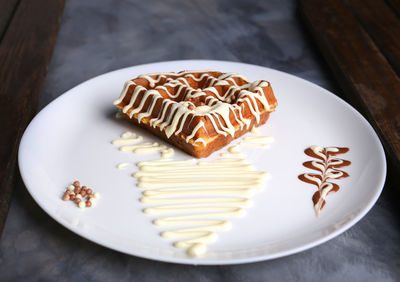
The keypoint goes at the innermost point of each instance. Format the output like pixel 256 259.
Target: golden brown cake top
pixel 196 104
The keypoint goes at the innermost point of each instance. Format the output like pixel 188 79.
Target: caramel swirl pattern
pixel 327 164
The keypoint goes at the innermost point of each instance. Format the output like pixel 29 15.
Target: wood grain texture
pixel 382 25
pixel 25 53
pixel 395 5
pixel 7 8
pixel 361 60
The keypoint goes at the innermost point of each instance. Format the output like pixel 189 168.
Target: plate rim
pixel 189 261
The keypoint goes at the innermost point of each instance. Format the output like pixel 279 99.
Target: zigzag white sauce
pixel 215 109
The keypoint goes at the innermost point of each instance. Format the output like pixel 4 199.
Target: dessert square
pixel 197 111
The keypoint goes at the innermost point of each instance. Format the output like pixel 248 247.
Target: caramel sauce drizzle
pixel 327 165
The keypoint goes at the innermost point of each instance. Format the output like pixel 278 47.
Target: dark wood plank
pixel 395 5
pixel 363 72
pixel 25 53
pixel 382 25
pixel 7 8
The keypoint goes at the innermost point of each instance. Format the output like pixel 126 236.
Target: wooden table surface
pixel 360 41
pixel 28 31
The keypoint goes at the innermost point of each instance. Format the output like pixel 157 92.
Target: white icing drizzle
pixel 123 165
pixel 143 148
pixel 130 142
pixel 127 134
pixel 253 141
pixel 255 131
pixel 258 141
pixel 195 198
pixel 124 141
pixel 198 126
pixel 123 92
pixel 218 110
pixel 232 155
pixel 325 188
pixel 327 172
pixel 324 168
pixel 167 153
pixel 233 151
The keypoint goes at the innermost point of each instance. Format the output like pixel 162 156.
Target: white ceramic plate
pixel 70 139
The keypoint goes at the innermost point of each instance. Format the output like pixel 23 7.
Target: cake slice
pixel 197 111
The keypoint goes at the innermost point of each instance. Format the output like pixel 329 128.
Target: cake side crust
pixel 199 151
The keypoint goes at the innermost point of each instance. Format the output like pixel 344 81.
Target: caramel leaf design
pixel 327 165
